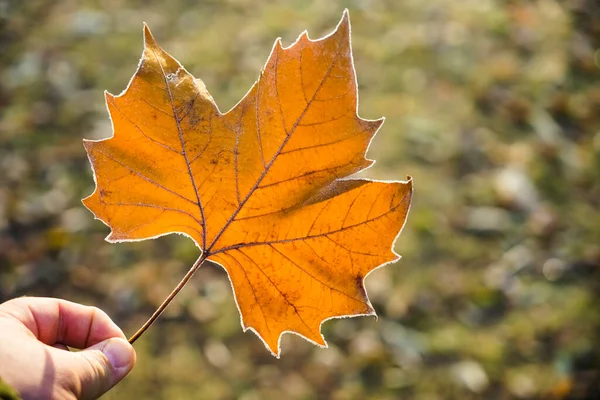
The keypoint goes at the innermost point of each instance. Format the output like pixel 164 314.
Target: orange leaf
pixel 259 188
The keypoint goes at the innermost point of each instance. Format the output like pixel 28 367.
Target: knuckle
pixel 89 377
pixel 71 383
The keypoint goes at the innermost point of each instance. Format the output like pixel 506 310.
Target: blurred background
pixel 492 106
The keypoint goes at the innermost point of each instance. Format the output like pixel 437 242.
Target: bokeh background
pixel 492 106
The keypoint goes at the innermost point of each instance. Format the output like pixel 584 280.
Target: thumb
pixel 95 370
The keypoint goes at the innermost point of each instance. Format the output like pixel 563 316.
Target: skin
pixel 35 360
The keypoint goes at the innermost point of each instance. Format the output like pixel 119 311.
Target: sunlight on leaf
pixel 261 189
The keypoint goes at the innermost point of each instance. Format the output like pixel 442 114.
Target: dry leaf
pixel 259 188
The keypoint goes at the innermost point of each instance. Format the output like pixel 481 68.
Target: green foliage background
pixel 492 106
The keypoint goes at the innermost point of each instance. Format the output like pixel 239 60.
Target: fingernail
pixel 119 352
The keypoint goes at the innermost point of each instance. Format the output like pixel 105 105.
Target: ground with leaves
pixel 494 109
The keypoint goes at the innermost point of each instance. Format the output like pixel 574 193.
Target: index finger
pixel 60 321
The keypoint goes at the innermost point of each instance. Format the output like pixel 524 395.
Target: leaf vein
pixel 144 177
pixel 281 147
pixel 183 149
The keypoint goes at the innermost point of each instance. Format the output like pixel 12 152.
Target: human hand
pixel 34 359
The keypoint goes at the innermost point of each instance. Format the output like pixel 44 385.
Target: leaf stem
pixel 171 296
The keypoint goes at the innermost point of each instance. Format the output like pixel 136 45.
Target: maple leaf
pixel 261 189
